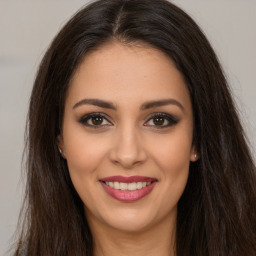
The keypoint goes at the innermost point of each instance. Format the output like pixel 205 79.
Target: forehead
pixel 119 72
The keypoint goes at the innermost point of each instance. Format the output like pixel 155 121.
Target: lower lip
pixel 128 195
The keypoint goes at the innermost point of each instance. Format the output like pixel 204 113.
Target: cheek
pixel 173 159
pixel 83 151
pixel 175 168
pixel 172 156
pixel 84 154
pixel 172 153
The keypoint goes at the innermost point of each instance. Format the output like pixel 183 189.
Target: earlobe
pixel 61 145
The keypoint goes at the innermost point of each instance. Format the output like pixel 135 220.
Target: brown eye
pixel 97 120
pixel 159 120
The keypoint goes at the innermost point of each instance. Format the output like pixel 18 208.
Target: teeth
pixel 132 186
pixel 116 185
pixel 123 186
pixel 140 185
pixel 127 186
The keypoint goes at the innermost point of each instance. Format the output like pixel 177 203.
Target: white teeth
pixel 116 185
pixel 123 186
pixel 127 186
pixel 140 185
pixel 132 186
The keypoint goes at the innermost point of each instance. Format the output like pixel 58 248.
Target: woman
pixel 134 144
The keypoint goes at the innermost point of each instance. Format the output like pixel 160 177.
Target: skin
pixel 129 141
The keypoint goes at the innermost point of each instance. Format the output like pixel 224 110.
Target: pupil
pixel 158 120
pixel 97 120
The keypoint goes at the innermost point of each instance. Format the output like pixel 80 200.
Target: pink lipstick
pixel 128 189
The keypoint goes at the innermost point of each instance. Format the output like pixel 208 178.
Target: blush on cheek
pixel 174 155
pixel 83 155
pixel 175 166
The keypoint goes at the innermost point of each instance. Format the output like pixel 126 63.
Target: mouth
pixel 127 186
pixel 128 189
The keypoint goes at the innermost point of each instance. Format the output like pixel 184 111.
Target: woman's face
pixel 127 136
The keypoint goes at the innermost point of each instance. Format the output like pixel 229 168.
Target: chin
pixel 130 223
pixel 133 218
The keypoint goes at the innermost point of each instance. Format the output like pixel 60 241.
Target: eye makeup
pixel 157 120
pixel 161 120
pixel 95 120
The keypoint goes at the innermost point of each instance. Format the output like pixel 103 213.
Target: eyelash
pixel 166 117
pixel 84 120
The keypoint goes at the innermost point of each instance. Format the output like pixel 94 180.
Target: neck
pixel 158 240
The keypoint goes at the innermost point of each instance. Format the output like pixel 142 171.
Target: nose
pixel 127 149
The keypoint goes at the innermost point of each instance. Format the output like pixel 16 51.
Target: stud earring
pixel 195 156
pixel 61 152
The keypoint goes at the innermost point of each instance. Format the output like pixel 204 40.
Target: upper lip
pixel 130 179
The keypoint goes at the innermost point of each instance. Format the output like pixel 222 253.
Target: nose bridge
pixel 127 149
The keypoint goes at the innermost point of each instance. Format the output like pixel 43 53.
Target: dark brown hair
pixel 217 212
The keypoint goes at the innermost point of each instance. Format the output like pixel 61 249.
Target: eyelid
pixel 86 117
pixel 170 118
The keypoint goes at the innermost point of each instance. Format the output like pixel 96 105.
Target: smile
pixel 127 186
pixel 128 189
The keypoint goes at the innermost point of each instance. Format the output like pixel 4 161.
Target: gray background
pixel 26 29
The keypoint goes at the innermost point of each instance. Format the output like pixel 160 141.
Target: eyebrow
pixel 159 103
pixel 144 106
pixel 95 102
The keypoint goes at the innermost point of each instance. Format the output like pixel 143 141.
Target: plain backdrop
pixel 28 26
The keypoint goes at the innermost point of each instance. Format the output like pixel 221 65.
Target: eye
pixel 95 120
pixel 161 120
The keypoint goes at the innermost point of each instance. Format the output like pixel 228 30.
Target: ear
pixel 61 147
pixel 194 155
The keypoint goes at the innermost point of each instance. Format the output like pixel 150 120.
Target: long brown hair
pixel 217 211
